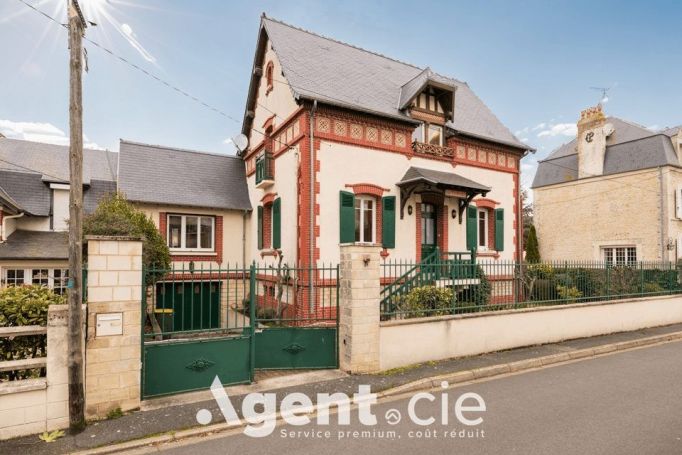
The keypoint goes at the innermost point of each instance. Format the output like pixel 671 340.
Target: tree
pixel 526 214
pixel 117 216
pixel 532 249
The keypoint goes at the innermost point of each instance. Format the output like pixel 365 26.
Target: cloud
pixel 128 33
pixel 560 129
pixel 40 132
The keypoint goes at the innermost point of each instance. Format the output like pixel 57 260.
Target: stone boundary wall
pixel 445 337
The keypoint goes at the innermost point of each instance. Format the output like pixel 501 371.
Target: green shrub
pixel 568 293
pixel 20 306
pixel 425 301
pixel 476 294
pixel 116 216
pixel 532 248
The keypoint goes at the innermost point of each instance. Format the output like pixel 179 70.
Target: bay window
pixel 191 232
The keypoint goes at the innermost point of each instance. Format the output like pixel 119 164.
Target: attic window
pixel 268 76
pixel 429 100
pixel 429 133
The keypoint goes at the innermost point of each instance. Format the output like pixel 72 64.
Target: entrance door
pixel 429 233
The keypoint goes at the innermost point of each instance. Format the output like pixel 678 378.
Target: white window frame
pixel 423 136
pixel 363 211
pixel 613 249
pixel 27 279
pixel 183 232
pixel 482 246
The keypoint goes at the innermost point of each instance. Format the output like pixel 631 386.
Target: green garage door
pixel 188 305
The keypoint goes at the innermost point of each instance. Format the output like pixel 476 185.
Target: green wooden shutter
pixel 277 223
pixel 260 227
pixel 388 221
pixel 499 229
pixel 347 217
pixel 472 239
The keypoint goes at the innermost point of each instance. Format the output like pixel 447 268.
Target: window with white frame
pixel 14 277
pixel 60 279
pixel 40 277
pixel 428 133
pixel 620 255
pixel 483 228
pixel 364 219
pixel 191 232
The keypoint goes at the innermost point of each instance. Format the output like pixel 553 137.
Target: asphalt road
pixel 626 403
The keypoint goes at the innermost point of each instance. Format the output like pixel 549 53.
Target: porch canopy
pixel 418 179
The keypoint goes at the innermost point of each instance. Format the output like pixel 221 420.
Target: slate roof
pixel 631 147
pixel 35 245
pixel 52 161
pixel 27 168
pixel 339 74
pixel 172 176
pixel 447 179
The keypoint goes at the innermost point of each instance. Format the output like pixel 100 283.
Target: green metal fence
pixel 454 287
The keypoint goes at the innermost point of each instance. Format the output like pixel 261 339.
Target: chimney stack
pixel 592 133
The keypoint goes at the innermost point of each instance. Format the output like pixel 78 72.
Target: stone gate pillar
pixel 113 359
pixel 359 296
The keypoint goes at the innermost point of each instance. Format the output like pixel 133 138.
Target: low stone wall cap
pixel 122 238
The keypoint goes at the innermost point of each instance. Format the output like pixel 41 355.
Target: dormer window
pixel 429 101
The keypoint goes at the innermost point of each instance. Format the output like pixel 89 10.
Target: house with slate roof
pixel 347 145
pixel 613 194
pixel 34 208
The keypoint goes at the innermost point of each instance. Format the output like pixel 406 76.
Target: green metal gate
pixel 228 322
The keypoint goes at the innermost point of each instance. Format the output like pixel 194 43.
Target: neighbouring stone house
pixel 347 145
pixel 612 194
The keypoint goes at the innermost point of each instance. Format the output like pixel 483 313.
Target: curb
pixel 421 384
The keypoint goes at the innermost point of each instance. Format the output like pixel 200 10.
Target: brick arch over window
pixel 375 192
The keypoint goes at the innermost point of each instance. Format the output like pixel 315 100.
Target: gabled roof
pixel 629 148
pixel 172 176
pixel 416 85
pixel 339 74
pixel 27 168
pixel 36 245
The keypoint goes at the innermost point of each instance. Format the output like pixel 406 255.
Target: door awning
pixel 417 178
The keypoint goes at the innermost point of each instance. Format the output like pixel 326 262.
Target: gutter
pixel 2 226
pixel 311 227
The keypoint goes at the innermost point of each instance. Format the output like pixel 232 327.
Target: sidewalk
pixel 167 420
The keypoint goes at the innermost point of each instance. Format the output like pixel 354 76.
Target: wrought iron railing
pixel 460 286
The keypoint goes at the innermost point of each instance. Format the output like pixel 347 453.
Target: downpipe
pixel 3 239
pixel 311 227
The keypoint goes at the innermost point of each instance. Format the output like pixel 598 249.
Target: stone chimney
pixel 592 133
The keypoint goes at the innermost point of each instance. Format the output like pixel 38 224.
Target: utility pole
pixel 76 392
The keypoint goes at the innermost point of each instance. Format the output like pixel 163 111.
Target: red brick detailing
pixel 367 188
pixel 443 229
pixel 418 237
pixel 384 253
pixel 490 213
pixel 267 226
pixel 518 248
pixel 175 257
pixel 268 198
pixel 485 203
pixel 268 123
pixel 479 153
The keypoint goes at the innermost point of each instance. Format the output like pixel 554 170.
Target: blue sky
pixel 532 62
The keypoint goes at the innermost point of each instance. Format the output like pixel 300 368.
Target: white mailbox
pixel 109 324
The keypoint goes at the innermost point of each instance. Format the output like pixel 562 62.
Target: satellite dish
pixel 241 142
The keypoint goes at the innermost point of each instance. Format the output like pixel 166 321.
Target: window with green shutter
pixel 388 222
pixel 499 229
pixel 260 227
pixel 346 217
pixel 472 219
pixel 277 223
